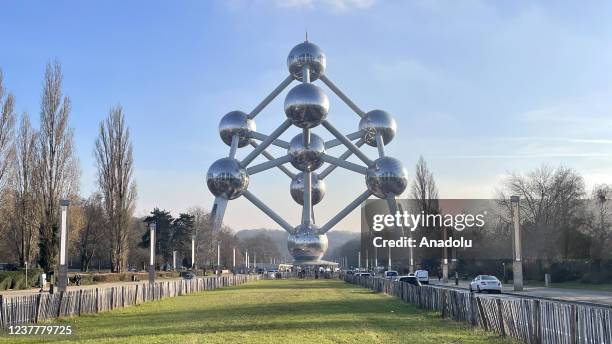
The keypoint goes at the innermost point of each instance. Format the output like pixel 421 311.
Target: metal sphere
pixel 306 243
pixel 386 177
pixel 236 123
pixel 227 178
pixel 297 188
pixel 306 157
pixel 306 105
pixel 377 121
pixel 306 54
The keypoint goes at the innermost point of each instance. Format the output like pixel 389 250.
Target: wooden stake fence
pixel 529 320
pixel 41 307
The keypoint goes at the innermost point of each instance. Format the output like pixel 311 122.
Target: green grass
pixel 287 311
pixel 574 285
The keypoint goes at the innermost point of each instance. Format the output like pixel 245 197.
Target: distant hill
pixel 279 237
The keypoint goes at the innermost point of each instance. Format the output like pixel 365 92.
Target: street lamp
pixel 193 259
pixel 219 255
pixel 62 281
pixel 152 226
pixel 517 264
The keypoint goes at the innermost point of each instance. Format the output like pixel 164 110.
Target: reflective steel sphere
pixel 227 178
pixel 306 158
pixel 297 188
pixel 306 105
pixel 306 243
pixel 386 177
pixel 374 122
pixel 236 123
pixel 306 53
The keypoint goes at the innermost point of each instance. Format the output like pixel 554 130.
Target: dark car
pixel 410 280
pixel 188 275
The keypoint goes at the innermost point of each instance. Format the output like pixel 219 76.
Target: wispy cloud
pixel 592 109
pixel 532 156
pixel 337 5
pixel 329 5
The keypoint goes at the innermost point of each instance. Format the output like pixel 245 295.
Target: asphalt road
pixel 571 295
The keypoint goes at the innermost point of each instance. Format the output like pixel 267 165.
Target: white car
pixel 486 283
pixel 422 276
pixel 391 274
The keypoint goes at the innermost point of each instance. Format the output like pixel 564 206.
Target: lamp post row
pixel 63 269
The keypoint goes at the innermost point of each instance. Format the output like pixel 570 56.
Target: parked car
pixel 390 274
pixel 350 272
pixel 410 280
pixel 364 274
pixel 187 275
pixel 422 276
pixel 486 283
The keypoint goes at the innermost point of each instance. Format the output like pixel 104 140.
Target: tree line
pixel 39 167
pixel 566 227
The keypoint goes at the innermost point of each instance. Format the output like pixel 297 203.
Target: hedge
pixel 16 279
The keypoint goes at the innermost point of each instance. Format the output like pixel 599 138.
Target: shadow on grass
pixel 321 315
pixel 295 284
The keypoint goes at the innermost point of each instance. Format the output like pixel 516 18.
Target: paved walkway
pixel 34 291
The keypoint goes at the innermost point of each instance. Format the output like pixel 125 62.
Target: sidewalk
pixel 34 291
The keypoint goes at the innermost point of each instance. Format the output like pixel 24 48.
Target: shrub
pixel 596 277
pixel 18 281
pixel 6 280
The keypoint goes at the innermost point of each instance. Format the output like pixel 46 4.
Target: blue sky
pixel 479 88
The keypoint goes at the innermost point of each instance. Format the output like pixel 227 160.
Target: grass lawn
pixel 283 311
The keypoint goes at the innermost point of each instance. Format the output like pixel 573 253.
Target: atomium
pixel 386 177
pixel 306 157
pixel 306 106
pixel 297 188
pixel 307 244
pixel 375 122
pixel 308 54
pixel 236 123
pixel 227 178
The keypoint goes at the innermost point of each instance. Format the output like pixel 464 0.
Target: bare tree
pixel 58 170
pixel 599 224
pixel 425 193
pixel 550 208
pixel 25 217
pixel 113 154
pixel 545 193
pixel 7 123
pixel 93 231
pixel 205 238
pixel 424 188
